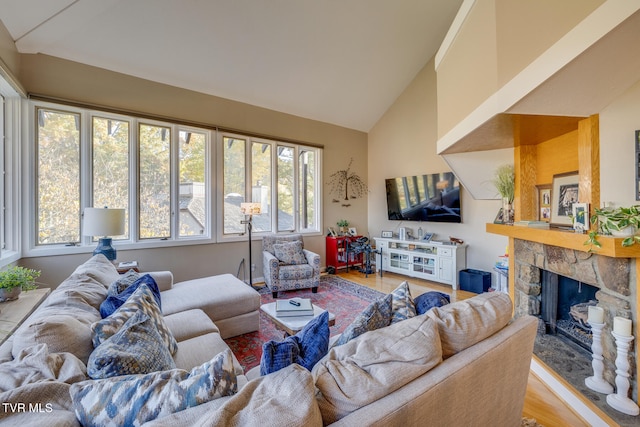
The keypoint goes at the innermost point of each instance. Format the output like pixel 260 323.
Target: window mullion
pixel 134 179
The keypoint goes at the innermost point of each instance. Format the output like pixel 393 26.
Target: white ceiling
pixel 338 61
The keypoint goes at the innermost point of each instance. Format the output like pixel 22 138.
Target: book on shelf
pixel 533 224
pixel 287 308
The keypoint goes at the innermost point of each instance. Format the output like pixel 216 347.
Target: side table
pixel 13 313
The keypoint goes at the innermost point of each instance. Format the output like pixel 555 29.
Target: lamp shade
pixel 251 208
pixel 103 222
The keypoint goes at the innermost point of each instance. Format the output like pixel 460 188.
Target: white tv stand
pixel 436 261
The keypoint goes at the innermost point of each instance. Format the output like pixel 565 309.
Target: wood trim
pixel 525 158
pixel 589 161
pixel 611 246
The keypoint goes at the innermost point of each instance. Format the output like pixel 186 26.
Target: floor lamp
pixel 248 210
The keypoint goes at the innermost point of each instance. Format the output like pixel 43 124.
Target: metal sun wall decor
pixel 347 184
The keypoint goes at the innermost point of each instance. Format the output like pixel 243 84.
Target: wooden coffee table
pixel 294 324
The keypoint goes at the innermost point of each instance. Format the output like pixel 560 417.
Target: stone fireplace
pixel 614 279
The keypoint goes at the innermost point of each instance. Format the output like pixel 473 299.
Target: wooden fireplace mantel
pixel 611 246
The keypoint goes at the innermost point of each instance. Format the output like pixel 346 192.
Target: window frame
pixel 87 243
pixel 11 153
pixel 275 143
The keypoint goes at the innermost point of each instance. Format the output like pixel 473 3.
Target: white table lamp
pixel 103 222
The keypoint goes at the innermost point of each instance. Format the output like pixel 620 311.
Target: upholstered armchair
pixel 287 265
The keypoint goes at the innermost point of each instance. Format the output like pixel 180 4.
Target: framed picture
pixel 580 217
pixel 352 231
pixel 388 234
pixel 544 202
pixel 499 218
pixel 564 193
pixel 427 237
pixel 331 232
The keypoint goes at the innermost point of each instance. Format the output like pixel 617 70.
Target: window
pixel 10 160
pixel 252 168
pixel 58 177
pixel 193 177
pixel 3 190
pixel 153 170
pixel 155 182
pixel 161 174
pixel 111 143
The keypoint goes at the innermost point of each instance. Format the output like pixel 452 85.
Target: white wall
pixel 403 142
pixel 618 123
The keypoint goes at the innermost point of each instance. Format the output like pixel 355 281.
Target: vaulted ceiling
pixel 337 61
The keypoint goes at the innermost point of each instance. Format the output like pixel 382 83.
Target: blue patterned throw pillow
pixel 137 348
pixel 142 299
pixel 377 315
pixel 115 299
pixel 402 305
pixel 127 279
pixel 304 348
pixel 428 300
pixel 290 253
pixel 135 399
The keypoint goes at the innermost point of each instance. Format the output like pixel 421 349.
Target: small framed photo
pixel 331 232
pixel 564 193
pixel 352 231
pixel 544 202
pixel 427 237
pixel 581 217
pixel 499 219
pixel 387 234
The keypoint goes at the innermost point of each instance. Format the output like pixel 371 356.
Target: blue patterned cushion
pixel 125 280
pixel 377 315
pixel 304 348
pixel 290 253
pixel 402 305
pixel 142 299
pixel 137 348
pixel 135 399
pixel 429 300
pixel 115 299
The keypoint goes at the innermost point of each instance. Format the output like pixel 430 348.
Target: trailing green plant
pixel 342 223
pixel 15 276
pixel 607 220
pixel 505 183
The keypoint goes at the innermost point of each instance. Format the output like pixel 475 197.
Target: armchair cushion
pixel 290 253
pixel 295 272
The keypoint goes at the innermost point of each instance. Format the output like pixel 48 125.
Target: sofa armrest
pixel 313 259
pixel 270 266
pixel 164 279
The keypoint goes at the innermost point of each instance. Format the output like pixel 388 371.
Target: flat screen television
pixel 434 197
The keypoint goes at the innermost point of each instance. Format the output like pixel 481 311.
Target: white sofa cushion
pixel 465 323
pixel 375 364
pixel 283 398
pixel 100 268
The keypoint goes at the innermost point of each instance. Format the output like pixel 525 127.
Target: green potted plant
pixel 505 183
pixel 621 222
pixel 14 280
pixel 343 224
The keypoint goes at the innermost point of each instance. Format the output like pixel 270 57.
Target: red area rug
pixel 343 298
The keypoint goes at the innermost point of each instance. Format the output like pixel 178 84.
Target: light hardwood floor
pixel 540 402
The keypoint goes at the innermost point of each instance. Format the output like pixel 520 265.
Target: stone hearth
pixel 614 277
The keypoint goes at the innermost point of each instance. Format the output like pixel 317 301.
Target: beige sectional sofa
pixel 463 364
